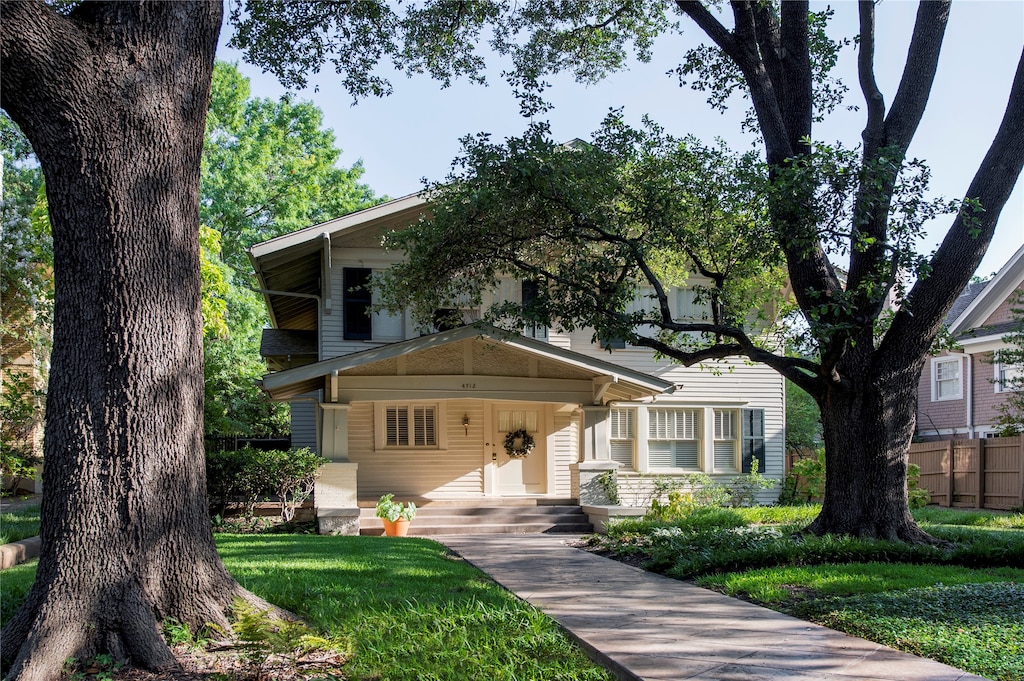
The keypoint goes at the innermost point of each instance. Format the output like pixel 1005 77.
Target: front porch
pixel 503 515
pixel 427 419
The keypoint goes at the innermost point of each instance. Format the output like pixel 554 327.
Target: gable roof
pixel 609 381
pixel 972 308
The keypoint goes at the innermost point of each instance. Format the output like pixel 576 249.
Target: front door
pixel 519 474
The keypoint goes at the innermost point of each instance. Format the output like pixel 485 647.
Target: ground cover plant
pixel 404 608
pixel 961 606
pixel 19 524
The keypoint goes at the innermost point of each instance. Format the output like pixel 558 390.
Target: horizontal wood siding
pixel 452 472
pixel 303 422
pixel 941 414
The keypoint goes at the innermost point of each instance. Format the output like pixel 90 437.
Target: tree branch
pixel 793 368
pixel 872 134
pixel 918 321
pixel 918 75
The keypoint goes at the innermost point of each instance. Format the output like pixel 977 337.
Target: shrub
pixel 805 481
pixel 744 488
pixel 248 475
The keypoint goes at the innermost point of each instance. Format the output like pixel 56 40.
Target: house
pixel 426 414
pixel 960 391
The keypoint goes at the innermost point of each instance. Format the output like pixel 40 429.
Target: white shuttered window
pixel 725 440
pixel 623 435
pixel 673 438
pixel 410 426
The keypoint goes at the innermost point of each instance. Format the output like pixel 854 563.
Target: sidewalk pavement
pixel 645 626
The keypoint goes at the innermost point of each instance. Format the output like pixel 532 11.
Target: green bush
pixel 247 476
pixel 805 481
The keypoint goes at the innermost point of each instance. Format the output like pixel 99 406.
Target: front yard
pixel 963 607
pixel 406 609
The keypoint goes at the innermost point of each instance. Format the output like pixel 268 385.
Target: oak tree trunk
pixel 868 423
pixel 113 98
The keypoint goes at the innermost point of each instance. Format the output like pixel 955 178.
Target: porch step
pixel 490 519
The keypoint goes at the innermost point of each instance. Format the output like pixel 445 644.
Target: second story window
pixel 946 383
pixel 356 303
pixel 530 293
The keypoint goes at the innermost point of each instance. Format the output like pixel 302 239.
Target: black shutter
pixel 752 442
pixel 356 301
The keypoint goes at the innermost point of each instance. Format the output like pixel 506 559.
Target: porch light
pixel 465 423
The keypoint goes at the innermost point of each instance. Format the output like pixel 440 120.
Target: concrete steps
pixel 512 516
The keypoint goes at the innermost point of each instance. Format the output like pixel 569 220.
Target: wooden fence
pixel 985 473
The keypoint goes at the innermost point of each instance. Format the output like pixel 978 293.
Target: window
pixel 1008 378
pixel 410 426
pixel 622 436
pixel 356 303
pixel 690 307
pixel 752 439
pixel 946 383
pixel 673 439
pixel 725 440
pixel 530 293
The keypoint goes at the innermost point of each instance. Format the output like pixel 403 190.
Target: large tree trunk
pixel 113 98
pixel 868 421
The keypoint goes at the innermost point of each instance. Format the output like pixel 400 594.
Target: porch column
pixel 334 439
pixel 334 496
pixel 595 433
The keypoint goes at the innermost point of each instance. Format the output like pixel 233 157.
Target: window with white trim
pixel 408 426
pixel 1008 378
pixel 622 438
pixel 673 438
pixel 725 440
pixel 946 383
pixel 691 307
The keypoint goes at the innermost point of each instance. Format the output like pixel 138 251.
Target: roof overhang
pixel 291 268
pixel 580 378
pixel 1006 280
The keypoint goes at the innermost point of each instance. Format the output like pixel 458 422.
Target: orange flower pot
pixel 395 528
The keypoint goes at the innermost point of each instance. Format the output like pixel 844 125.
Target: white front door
pixel 519 474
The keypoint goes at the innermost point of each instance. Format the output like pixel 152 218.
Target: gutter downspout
pixel 970 395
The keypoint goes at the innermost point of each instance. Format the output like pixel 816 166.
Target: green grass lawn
pixel 410 610
pixel 20 524
pixel 963 607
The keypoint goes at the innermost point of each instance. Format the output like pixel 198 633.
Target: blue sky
pixel 414 133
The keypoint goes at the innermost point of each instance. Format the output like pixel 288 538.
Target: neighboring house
pixel 424 414
pixel 961 391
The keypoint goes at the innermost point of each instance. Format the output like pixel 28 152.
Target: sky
pixel 414 133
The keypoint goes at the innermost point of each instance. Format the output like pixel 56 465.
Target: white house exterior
pixel 424 415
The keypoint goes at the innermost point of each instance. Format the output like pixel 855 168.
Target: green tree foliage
pixel 803 419
pixel 269 167
pixel 606 228
pixel 26 302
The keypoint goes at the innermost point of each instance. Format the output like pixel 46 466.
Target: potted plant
pixel 395 515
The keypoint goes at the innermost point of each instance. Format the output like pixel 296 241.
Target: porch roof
pixel 555 374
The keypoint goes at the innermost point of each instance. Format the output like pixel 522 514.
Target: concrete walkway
pixel 646 626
